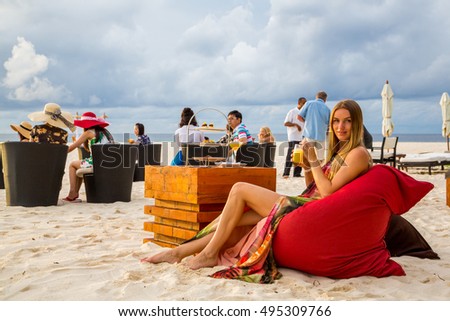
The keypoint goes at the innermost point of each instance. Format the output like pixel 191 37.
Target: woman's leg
pixel 260 199
pixel 263 206
pixel 74 180
pixel 175 255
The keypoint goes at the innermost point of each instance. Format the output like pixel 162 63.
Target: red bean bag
pixel 342 235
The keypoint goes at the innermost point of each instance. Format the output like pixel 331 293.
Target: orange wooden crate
pixel 188 198
pixel 202 185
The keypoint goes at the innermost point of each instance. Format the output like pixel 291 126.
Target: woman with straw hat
pixel 94 133
pixel 23 129
pixel 55 120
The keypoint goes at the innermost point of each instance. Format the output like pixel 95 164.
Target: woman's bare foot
pixel 166 256
pixel 202 260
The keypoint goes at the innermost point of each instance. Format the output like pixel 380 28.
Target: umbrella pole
pixel 448 149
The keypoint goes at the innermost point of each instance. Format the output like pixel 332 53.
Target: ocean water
pixel 123 137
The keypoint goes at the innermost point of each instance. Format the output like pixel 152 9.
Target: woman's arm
pixel 356 163
pixel 84 136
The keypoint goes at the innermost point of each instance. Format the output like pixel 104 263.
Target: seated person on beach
pixel 248 204
pixel 141 137
pixel 94 133
pixel 24 130
pixel 265 135
pixel 181 134
pixel 240 132
pixel 52 130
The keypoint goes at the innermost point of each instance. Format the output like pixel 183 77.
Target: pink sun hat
pixel 89 119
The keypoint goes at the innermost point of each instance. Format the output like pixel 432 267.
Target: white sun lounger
pixel 425 160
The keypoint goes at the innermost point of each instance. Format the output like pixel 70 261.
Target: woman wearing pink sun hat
pixel 94 133
pixel 89 119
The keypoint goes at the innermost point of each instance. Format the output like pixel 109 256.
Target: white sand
pixel 91 252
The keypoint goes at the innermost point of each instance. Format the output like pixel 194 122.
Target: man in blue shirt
pixel 316 116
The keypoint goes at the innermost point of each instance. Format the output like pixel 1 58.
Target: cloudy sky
pixel 145 60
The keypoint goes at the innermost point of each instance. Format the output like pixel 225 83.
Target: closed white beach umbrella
pixel 445 107
pixel 387 102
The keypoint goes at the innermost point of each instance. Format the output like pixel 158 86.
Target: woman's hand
pixel 309 155
pixel 301 161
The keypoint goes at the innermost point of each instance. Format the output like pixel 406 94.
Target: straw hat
pixel 24 129
pixel 53 115
pixel 89 119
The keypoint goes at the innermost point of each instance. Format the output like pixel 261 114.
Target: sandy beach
pixel 91 252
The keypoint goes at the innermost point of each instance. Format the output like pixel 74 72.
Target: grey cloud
pixel 252 55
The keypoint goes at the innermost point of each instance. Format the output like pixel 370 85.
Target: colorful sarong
pixel 258 264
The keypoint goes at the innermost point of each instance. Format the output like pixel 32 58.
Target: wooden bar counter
pixel 188 198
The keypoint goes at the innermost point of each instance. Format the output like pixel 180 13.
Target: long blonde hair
pixel 337 150
pixel 268 137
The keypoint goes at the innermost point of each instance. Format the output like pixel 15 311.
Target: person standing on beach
pixel 316 116
pixel 294 128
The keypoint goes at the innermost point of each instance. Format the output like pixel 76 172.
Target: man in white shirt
pixel 295 135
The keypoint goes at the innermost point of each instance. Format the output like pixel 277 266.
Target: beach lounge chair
pixel 147 155
pixel 33 172
pixel 113 173
pixel 425 160
pixel 387 152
